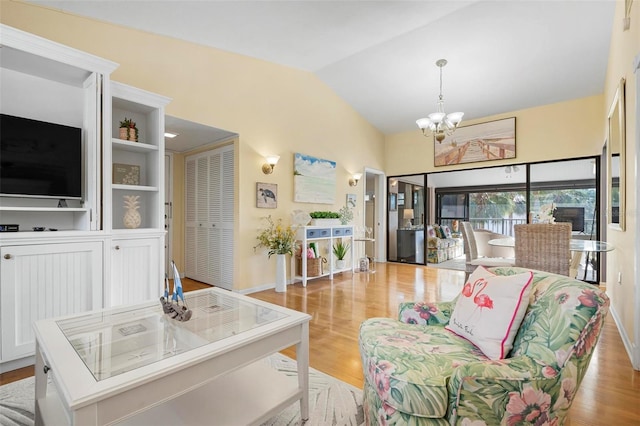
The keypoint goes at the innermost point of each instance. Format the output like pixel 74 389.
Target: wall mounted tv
pixel 39 159
pixel 573 215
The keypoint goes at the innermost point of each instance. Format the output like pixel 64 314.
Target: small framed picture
pixel 351 201
pixel 266 195
pixel 126 174
pixel 393 202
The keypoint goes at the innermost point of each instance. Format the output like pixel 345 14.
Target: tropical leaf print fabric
pixel 418 373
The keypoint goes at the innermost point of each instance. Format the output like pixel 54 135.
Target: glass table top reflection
pixel 574 244
pixel 115 341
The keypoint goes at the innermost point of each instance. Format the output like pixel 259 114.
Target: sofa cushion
pixel 409 365
pixel 490 309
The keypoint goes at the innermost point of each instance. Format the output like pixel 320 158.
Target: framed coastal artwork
pixel 494 140
pixel 266 195
pixel 351 201
pixel 314 180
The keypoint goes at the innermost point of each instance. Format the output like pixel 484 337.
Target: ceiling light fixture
pixel 170 135
pixel 440 123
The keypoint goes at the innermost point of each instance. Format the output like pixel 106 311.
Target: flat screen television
pixel 573 215
pixel 39 159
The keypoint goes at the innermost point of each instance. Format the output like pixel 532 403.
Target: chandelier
pixel 440 123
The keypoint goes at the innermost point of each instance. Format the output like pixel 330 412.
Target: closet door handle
pixel 7 256
pixel 117 247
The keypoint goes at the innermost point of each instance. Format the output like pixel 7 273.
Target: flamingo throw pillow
pixel 490 309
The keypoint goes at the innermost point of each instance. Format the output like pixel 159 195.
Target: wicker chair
pixel 471 252
pixel 544 247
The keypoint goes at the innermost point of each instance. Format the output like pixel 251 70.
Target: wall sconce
pixel 272 160
pixel 353 181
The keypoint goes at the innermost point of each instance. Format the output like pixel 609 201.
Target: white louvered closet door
pixel 209 217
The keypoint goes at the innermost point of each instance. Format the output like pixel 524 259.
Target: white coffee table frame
pixel 224 382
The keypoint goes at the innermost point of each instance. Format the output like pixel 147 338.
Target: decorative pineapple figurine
pixel 132 217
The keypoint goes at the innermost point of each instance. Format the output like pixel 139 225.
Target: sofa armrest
pixel 494 391
pixel 425 313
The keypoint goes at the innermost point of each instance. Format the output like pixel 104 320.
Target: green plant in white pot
pixel 340 250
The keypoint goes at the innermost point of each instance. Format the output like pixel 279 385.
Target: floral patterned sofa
pixel 419 373
pixel 442 245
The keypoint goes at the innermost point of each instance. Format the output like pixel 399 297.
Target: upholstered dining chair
pixel 543 246
pixel 473 260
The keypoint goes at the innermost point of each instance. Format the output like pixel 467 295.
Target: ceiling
pixel 379 56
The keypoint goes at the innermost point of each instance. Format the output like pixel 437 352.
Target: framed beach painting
pixel 494 140
pixel 314 180
pixel 266 195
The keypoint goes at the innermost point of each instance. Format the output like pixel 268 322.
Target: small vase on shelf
pixel 128 130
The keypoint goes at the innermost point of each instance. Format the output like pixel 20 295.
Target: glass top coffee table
pixel 135 365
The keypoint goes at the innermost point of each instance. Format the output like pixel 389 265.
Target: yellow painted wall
pixel 274 109
pixel 563 130
pixel 625 46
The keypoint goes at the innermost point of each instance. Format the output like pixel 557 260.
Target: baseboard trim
pixel 629 347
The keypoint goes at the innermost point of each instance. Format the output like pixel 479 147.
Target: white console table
pixel 325 235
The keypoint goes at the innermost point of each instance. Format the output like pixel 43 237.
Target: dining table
pixel 577 246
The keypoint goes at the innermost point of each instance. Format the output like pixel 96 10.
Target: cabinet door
pixel 135 267
pixel 45 281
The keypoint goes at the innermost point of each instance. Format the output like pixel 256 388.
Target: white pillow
pixel 490 309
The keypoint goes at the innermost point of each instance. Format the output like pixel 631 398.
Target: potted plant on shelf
pixel 325 218
pixel 340 250
pixel 128 130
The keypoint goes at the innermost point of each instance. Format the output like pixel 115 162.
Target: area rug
pixel 331 402
pixel 457 264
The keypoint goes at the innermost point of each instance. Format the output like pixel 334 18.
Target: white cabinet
pixel 78 268
pixel 45 274
pixel 210 199
pixel 134 174
pixel 323 237
pixel 43 281
pixel 135 271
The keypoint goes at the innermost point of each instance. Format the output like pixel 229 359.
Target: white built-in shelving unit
pixel 92 260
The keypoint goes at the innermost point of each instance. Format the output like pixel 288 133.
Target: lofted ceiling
pixel 379 56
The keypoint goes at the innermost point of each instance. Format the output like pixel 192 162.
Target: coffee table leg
pixel 302 359
pixel 41 385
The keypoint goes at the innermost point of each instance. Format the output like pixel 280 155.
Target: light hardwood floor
pixel 609 394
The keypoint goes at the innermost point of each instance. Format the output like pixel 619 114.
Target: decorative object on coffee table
pixel 132 218
pixel 172 307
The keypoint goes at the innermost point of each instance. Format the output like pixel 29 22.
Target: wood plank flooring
pixel 609 394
